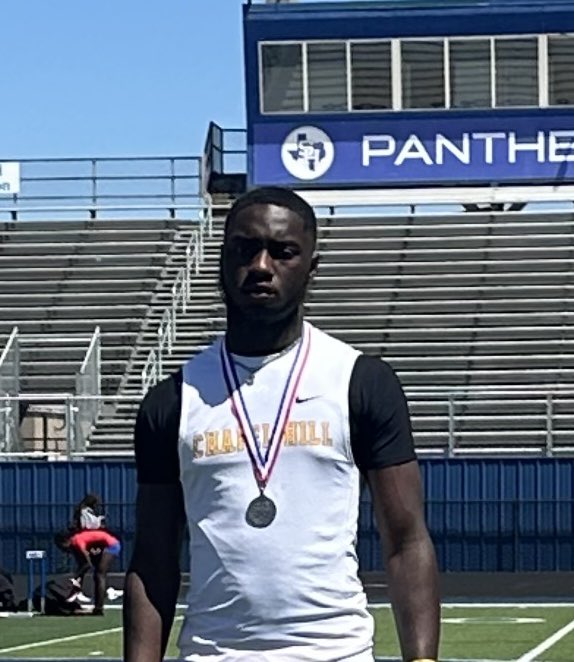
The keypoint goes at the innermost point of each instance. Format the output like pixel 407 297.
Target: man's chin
pixel 264 309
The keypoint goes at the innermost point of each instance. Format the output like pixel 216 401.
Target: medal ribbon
pixel 263 463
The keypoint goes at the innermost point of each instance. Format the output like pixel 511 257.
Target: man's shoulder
pixel 328 343
pixel 164 392
pixel 168 391
pixel 203 365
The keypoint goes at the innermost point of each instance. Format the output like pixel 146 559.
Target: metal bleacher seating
pixel 62 279
pixel 461 305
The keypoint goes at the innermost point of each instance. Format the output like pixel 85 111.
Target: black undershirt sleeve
pixel 381 434
pixel 157 432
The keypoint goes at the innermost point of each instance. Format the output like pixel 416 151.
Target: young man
pixel 93 549
pixel 257 444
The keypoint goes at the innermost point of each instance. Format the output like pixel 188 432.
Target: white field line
pixel 61 640
pixel 528 657
pixel 547 643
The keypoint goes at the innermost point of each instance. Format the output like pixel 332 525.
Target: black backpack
pixel 60 597
pixel 7 597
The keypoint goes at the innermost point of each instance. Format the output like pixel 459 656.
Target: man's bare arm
pixel 410 558
pixel 153 577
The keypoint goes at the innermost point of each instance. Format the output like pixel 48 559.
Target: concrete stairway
pixel 195 331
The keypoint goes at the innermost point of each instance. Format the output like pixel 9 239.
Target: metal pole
pixel 16 360
pixel 30 585
pixel 451 425
pixel 7 413
pixel 43 585
pixel 209 219
pixel 99 361
pixel 14 212
pixel 549 425
pixel 172 184
pixel 93 212
pixel 70 431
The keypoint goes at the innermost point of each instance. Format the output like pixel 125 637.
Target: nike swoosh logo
pixel 299 400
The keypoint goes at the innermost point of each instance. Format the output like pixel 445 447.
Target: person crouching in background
pixel 95 550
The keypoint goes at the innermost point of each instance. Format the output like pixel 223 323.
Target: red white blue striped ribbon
pixel 263 463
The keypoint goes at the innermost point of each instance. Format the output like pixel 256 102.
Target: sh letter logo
pixel 307 153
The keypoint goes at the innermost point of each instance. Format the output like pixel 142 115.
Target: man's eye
pixel 283 252
pixel 245 248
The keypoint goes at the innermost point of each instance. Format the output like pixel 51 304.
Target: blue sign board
pixel 391 150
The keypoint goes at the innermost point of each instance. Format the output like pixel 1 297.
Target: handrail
pixel 366 211
pixel 542 438
pixel 104 159
pixel 31 338
pixel 9 383
pixel 88 382
pixel 87 179
pixel 486 390
pixel 152 370
pixel 60 397
pixel 149 375
pixel 93 347
pixel 69 208
pixel 12 340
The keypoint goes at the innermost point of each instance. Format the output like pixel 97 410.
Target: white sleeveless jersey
pixel 290 591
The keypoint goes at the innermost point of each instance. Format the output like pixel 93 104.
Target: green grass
pixel 485 633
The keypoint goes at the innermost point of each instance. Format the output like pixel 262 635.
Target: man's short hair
pixel 281 197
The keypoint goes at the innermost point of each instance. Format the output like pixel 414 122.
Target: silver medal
pixel 260 512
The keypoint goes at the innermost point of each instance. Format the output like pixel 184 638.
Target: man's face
pixel 267 259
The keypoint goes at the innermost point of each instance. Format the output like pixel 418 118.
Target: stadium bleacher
pixel 64 279
pixel 456 303
pixel 440 298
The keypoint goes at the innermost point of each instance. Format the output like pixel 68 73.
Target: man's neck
pixel 250 337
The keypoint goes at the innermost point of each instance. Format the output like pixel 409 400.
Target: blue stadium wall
pixel 502 514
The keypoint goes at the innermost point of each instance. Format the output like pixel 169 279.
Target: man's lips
pixel 259 290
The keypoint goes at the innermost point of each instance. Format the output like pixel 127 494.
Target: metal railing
pixel 54 428
pixel 152 370
pixel 523 422
pixel 178 187
pixel 9 385
pixel 85 382
pixel 163 185
pixel 493 420
pixel 88 383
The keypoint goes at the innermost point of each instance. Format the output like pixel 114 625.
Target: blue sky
pixel 117 77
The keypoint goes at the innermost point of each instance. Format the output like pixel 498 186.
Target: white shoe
pixel 113 594
pixel 82 598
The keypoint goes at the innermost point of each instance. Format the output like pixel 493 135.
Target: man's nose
pixel 262 261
